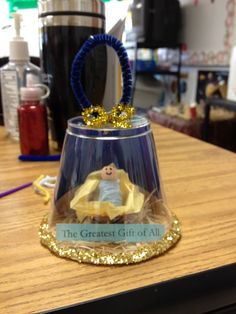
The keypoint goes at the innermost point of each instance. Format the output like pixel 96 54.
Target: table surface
pixel 200 185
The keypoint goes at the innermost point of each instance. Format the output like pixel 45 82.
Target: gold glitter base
pixel 140 253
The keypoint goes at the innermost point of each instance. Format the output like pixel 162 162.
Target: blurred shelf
pixel 156 72
pixel 137 45
pixel 147 45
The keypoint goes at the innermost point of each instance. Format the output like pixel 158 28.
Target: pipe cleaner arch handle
pixel 79 61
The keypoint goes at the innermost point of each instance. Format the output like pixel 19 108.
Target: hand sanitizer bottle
pixel 13 77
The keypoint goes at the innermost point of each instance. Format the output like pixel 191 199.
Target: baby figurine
pixel 109 186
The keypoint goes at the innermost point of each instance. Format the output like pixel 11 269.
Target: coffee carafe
pixel 64 26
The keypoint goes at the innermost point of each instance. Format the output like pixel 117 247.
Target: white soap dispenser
pixel 13 77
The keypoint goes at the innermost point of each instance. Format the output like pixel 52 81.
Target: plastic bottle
pixel 32 115
pixel 14 76
pixel 193 110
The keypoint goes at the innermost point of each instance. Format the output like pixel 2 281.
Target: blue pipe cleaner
pixel 79 61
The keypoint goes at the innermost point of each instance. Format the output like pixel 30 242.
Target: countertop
pixel 200 186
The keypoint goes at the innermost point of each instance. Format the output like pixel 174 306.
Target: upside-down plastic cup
pixel 109 205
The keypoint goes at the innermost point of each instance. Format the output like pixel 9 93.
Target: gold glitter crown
pixel 119 117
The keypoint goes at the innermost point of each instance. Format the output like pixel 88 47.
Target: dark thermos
pixel 64 27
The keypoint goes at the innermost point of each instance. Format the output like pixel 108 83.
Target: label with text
pixel 110 232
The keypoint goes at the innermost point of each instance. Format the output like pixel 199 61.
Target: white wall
pixel 209 30
pixel 115 10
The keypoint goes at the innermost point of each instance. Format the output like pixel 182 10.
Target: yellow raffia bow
pixel 39 186
pixel 119 117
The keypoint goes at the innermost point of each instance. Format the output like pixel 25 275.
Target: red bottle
pixel 33 126
pixel 193 111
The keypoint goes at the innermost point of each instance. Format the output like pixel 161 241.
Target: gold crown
pixel 119 117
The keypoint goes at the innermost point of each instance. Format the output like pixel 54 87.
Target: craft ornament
pixel 108 181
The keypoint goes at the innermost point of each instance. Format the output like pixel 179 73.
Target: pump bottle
pixel 14 76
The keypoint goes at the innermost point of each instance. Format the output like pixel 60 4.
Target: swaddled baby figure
pixel 109 186
pixel 106 193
